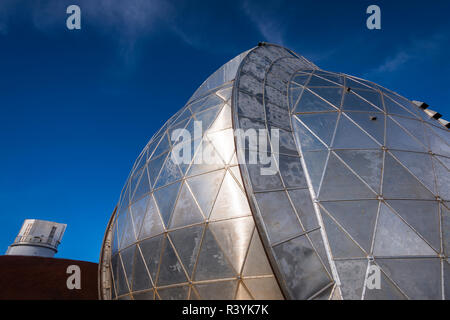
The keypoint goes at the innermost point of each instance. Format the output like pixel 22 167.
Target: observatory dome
pixel 351 182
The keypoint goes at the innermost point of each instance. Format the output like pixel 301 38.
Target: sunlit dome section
pixel 185 230
pixel 224 74
pixel 352 180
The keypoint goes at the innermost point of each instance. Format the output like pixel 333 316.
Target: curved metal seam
pixel 245 173
pixel 289 197
pixel 104 259
pixel 260 227
pixel 320 227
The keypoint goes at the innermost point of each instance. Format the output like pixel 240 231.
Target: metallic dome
pixel 355 178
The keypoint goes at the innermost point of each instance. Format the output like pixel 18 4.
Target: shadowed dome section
pixel 357 180
pixel 377 183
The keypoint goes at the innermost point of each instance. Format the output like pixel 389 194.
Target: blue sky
pixel 78 106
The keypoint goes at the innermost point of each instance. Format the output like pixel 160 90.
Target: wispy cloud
pixel 129 18
pixel 393 63
pixel 124 21
pixel 270 27
pixel 415 51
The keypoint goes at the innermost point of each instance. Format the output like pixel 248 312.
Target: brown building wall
pixel 30 278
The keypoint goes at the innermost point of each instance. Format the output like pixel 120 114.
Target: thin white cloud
pixel 393 63
pixel 130 18
pixel 118 18
pixel 124 21
pixel 269 27
pixel 416 50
